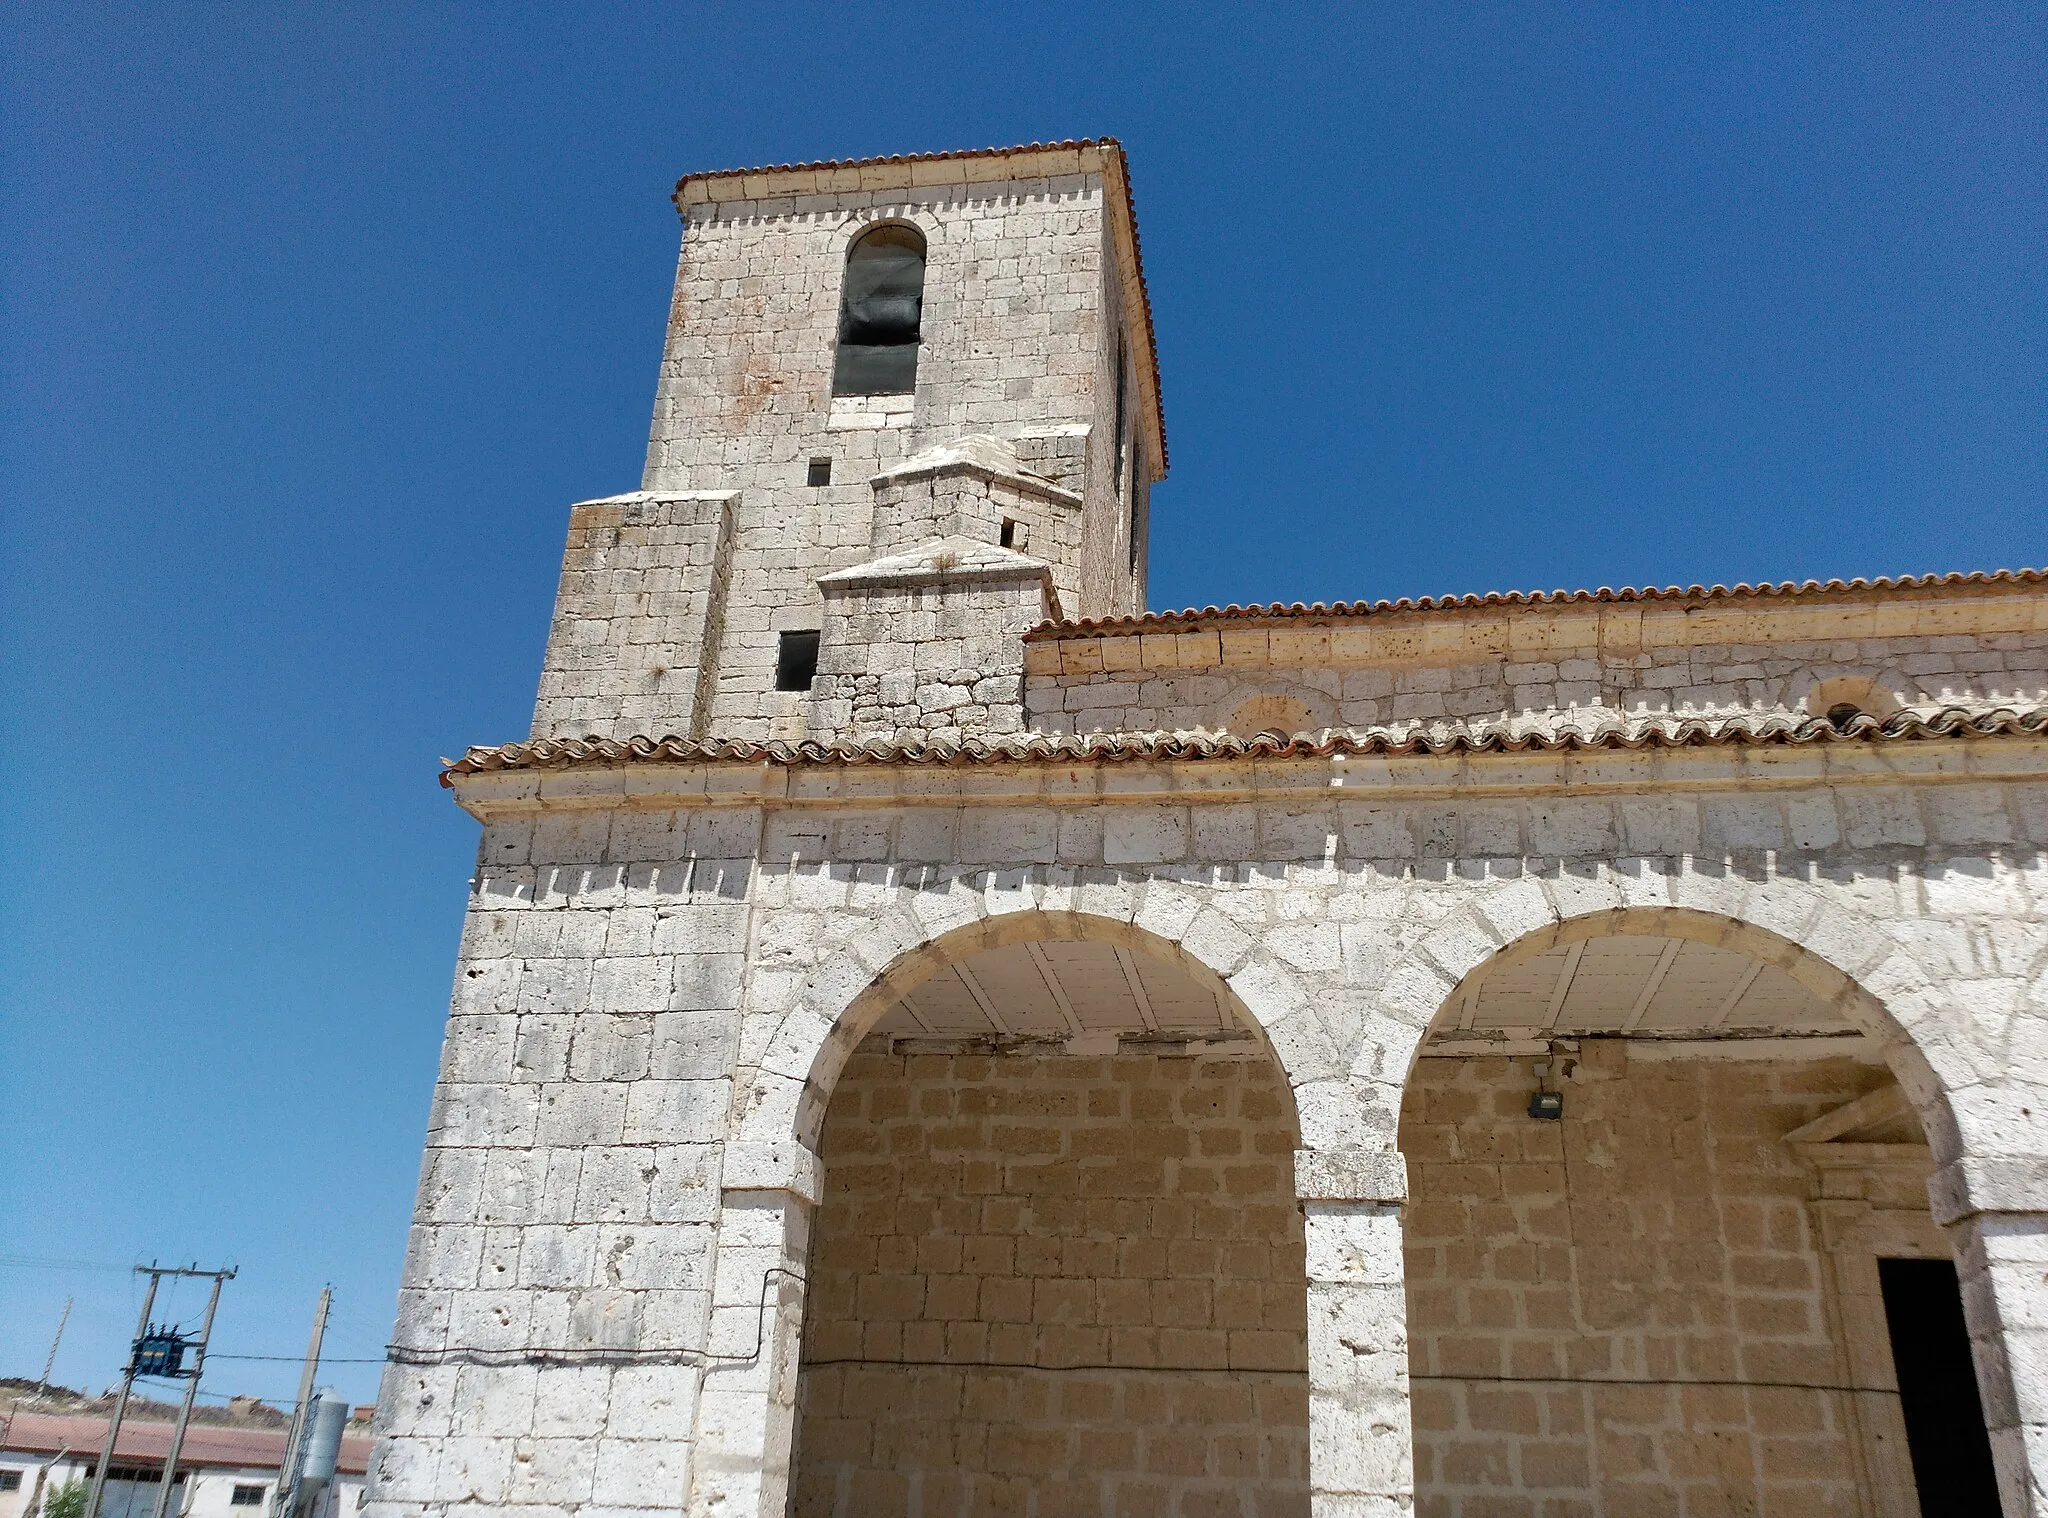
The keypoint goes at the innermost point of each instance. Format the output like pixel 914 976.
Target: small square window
pixel 796 661
pixel 820 473
pixel 246 1496
pixel 10 1481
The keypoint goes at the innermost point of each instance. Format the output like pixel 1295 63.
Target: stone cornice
pixel 2017 756
pixel 981 457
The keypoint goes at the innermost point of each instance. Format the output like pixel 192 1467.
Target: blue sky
pixel 316 320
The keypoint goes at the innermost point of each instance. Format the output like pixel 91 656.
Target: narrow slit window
pixel 881 313
pixel 1123 418
pixel 820 472
pixel 1009 538
pixel 1136 526
pixel 796 661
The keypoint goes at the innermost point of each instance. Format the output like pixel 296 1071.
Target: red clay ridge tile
pixel 1433 738
pixel 1277 611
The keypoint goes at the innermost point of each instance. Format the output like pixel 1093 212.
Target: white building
pixel 222 1472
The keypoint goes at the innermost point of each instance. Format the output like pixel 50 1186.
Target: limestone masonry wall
pixel 1020 288
pixel 689 1240
pixel 1206 683
pixel 916 661
pixel 1015 287
pixel 1659 1232
pixel 1012 311
pixel 651 987
pixel 639 617
pixel 975 503
pixel 569 1199
pixel 1074 1278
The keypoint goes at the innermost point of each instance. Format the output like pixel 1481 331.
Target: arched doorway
pixel 1058 1263
pixel 1657 1169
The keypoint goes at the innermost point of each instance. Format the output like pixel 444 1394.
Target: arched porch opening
pixel 1057 1264
pixel 1660 1287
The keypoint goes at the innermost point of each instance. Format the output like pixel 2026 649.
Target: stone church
pixel 934 1037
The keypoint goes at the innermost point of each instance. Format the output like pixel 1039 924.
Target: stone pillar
pixel 1996 1214
pixel 746 1412
pixel 1361 1452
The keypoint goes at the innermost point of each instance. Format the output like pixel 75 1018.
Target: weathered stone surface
pixel 1081 1271
pixel 668 969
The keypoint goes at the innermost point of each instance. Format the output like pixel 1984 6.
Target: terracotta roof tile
pixel 1277 611
pixel 1065 144
pixel 1110 748
pixel 148 1442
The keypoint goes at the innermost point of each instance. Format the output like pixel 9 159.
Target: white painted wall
pixel 208 1493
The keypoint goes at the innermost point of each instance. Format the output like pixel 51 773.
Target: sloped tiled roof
pixel 819 165
pixel 147 1443
pixel 1295 611
pixel 1430 738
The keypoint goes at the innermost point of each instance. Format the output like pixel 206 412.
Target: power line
pixel 295 1359
pixel 41 1262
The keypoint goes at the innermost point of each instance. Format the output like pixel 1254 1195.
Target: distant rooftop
pixel 148 1443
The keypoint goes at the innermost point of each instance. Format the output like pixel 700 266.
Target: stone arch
pixel 880 309
pixel 1846 961
pixel 1864 972
pixel 1276 706
pixel 909 1294
pixel 910 969
pixel 1879 691
pixel 919 217
pixel 778 1105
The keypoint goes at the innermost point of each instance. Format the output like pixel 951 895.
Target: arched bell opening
pixel 1668 1240
pixel 1058 1263
pixel 881 306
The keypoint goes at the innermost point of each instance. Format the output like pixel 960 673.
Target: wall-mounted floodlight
pixel 1544 1103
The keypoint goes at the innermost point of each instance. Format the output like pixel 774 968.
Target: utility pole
pixel 99 1471
pixel 163 1491
pixel 158 1352
pixel 43 1386
pixel 286 1492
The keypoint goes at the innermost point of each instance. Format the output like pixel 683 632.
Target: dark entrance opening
pixel 1923 1307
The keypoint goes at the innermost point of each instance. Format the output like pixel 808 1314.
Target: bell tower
pixel 908 407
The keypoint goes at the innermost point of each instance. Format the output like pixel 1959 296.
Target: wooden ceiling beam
pixel 1145 1013
pixel 1641 1009
pixel 1742 986
pixel 1053 987
pixel 1565 977
pixel 981 1000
